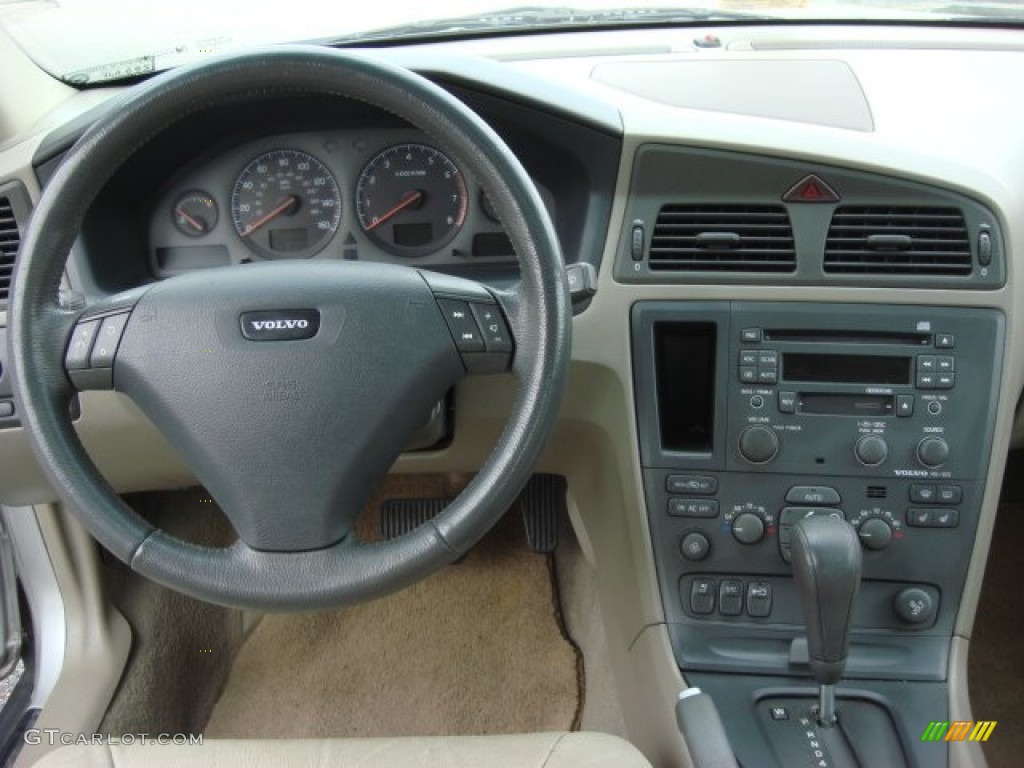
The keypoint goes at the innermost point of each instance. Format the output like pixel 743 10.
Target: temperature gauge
pixel 195 214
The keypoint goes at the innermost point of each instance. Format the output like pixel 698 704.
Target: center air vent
pixel 898 240
pixel 10 240
pixel 722 238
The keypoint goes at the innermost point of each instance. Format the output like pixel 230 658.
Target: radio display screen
pixel 685 365
pixel 846 369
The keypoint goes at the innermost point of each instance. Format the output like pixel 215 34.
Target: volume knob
pixel 871 450
pixel 758 445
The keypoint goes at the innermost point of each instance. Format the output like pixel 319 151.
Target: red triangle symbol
pixel 811 189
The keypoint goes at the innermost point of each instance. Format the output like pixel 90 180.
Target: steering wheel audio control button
pixel 107 339
pixel 77 357
pixel 492 327
pixel 463 327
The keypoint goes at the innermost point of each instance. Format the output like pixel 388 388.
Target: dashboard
pixel 808 301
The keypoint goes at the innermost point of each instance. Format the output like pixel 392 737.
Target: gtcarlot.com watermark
pixel 54 737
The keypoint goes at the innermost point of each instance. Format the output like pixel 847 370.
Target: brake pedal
pixel 543 504
pixel 399 516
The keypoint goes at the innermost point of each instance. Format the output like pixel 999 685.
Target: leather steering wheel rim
pixel 537 310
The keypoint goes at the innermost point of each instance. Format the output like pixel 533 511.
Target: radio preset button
pixel 871 450
pixel 787 402
pixel 933 451
pixel 758 444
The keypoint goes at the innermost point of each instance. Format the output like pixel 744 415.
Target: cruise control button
pixel 82 340
pixel 107 339
pixel 492 326
pixel 812 494
pixel 462 325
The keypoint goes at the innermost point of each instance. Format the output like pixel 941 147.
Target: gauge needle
pixel 410 197
pixel 287 203
pixel 200 227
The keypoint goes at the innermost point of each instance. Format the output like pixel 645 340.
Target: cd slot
pixel 897 338
pixel 831 404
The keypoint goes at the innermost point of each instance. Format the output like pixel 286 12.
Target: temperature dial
pixel 875 533
pixel 748 528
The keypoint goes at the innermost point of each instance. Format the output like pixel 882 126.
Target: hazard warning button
pixel 811 189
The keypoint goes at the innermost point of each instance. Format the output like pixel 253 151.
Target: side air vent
pixel 898 240
pixel 10 241
pixel 722 238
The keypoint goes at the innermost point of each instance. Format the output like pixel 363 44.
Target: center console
pixel 753 416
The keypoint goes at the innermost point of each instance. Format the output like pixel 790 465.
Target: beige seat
pixel 537 750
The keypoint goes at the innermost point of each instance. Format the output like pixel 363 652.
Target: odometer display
pixel 286 205
pixel 411 200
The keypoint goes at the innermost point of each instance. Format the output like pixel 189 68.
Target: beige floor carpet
pixel 477 648
pixel 996 660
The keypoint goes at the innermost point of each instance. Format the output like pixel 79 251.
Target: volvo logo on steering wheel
pixel 280 324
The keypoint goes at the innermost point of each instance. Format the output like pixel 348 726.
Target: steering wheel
pixel 289 388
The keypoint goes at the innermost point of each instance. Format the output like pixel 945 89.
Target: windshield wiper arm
pixel 533 18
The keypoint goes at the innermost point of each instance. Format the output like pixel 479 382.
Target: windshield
pixel 90 41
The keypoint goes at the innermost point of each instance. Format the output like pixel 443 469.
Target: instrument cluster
pixel 376 195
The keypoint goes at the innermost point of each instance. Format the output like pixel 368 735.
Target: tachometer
pixel 411 200
pixel 286 205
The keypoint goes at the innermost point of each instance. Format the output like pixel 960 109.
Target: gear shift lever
pixel 826 561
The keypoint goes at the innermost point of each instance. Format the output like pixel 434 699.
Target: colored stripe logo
pixel 959 730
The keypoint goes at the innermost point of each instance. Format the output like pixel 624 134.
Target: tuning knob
pixel 875 533
pixel 748 528
pixel 871 450
pixel 933 451
pixel 758 444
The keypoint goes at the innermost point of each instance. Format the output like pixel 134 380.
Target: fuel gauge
pixel 195 214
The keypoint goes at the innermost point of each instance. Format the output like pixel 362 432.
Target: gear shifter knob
pixel 826 559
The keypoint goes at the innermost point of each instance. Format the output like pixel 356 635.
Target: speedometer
pixel 411 200
pixel 286 205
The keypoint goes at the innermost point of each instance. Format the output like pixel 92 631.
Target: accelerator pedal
pixel 543 506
